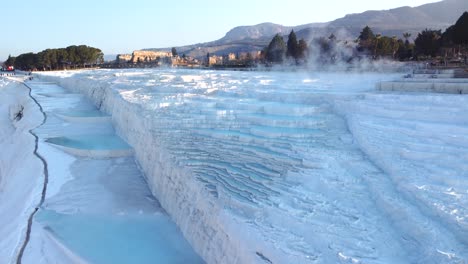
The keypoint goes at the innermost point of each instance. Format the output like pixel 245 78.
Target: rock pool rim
pixel 46 178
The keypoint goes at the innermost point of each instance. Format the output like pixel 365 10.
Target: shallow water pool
pixel 91 142
pixel 145 238
pixel 95 113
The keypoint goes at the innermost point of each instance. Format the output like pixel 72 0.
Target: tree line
pixel 278 51
pixel 71 57
pixel 454 40
pixel 427 44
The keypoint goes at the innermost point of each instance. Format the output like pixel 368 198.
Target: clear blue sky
pixel 121 26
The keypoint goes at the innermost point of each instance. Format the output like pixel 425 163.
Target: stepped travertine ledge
pixel 153 132
pixel 95 206
pixel 274 167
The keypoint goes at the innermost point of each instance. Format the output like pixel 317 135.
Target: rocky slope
pixel 393 22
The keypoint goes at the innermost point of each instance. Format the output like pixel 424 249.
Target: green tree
pixel 324 45
pixel 405 49
pixel 174 52
pixel 249 60
pixel 395 44
pixel 448 37
pixel 384 46
pixel 366 39
pixel 52 59
pixel 460 30
pixel 292 45
pixel 428 42
pixel 263 54
pixel 366 34
pixel 40 60
pixel 47 59
pixel 303 49
pixel 276 50
pixel 376 43
pixel 10 61
pixel 63 58
pixel 26 61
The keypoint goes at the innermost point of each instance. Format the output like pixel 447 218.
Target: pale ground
pixel 295 167
pixel 21 174
pixel 256 166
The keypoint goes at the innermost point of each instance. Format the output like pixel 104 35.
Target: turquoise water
pixel 91 142
pixel 95 113
pixel 120 239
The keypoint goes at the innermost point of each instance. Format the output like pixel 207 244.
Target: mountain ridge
pixel 391 22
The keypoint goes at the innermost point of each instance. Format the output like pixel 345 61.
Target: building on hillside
pixel 123 58
pixel 184 61
pixel 231 57
pixel 215 60
pixel 149 56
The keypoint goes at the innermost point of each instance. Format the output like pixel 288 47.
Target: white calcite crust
pixel 260 167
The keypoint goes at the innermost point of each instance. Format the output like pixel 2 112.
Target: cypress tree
pixel 366 34
pixel 302 49
pixel 428 42
pixel 460 30
pixel 276 49
pixel 367 39
pixel 293 46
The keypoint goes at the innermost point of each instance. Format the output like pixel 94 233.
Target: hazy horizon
pixel 121 27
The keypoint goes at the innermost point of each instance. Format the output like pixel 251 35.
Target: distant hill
pixel 393 22
pixel 240 39
pixel 263 30
pixel 255 32
pixel 439 15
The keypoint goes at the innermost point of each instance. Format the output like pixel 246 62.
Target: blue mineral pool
pixel 145 238
pixel 92 113
pixel 91 142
